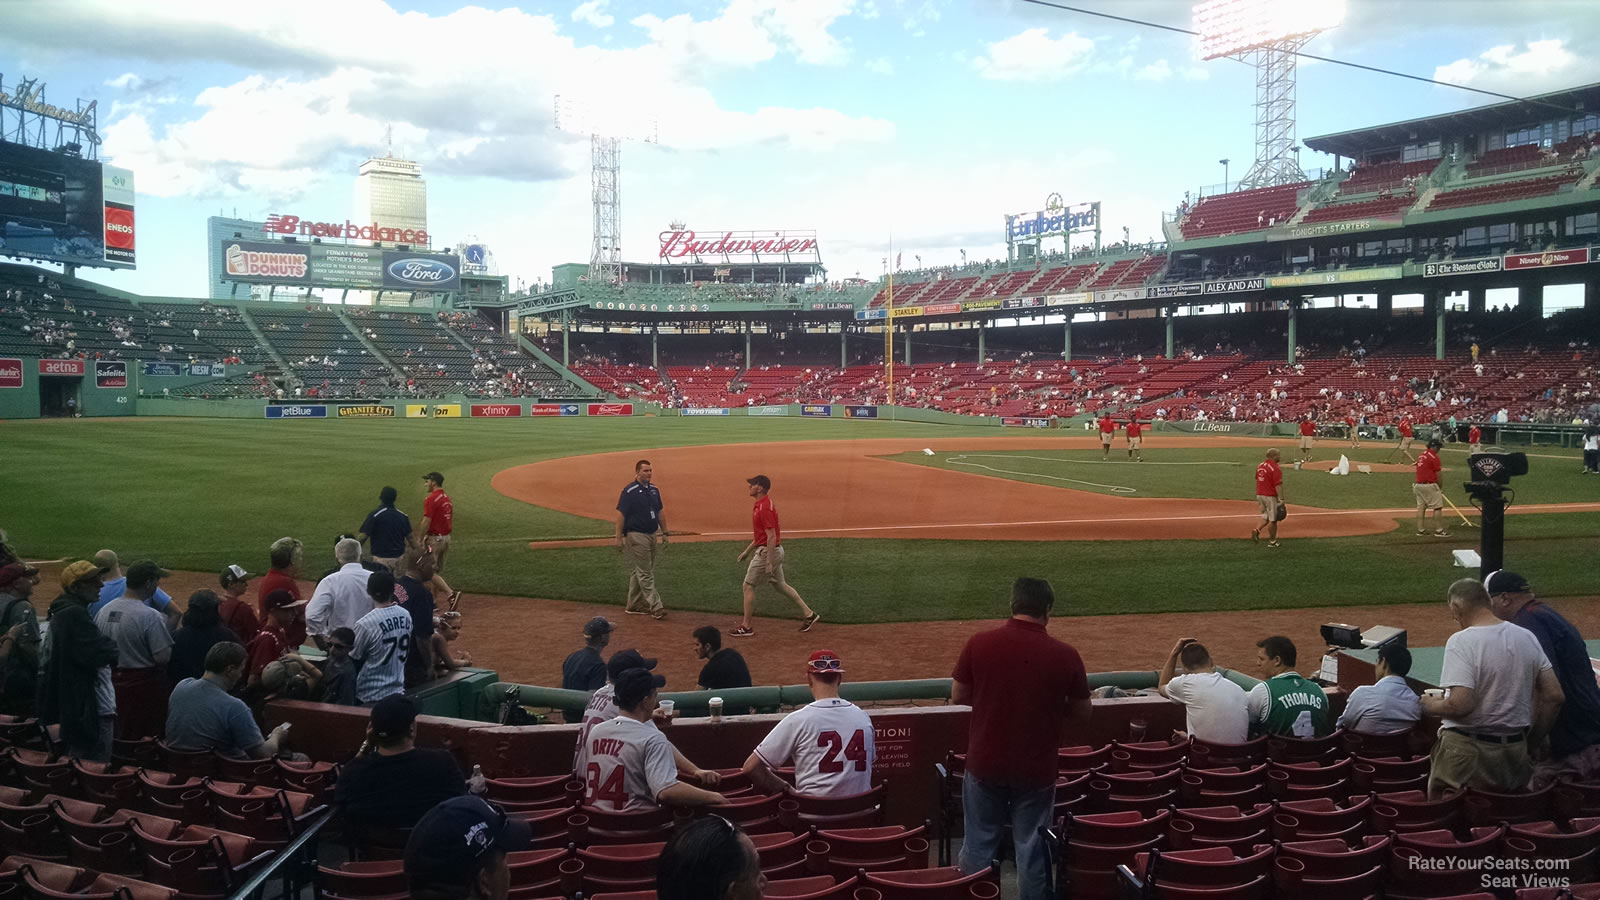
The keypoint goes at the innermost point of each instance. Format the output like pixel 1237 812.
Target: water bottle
pixel 477 785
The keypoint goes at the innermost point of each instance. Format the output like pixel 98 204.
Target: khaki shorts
pixel 441 547
pixel 1106 436
pixel 1305 442
pixel 1269 507
pixel 756 573
pixel 1459 760
pixel 1405 443
pixel 1133 443
pixel 1428 496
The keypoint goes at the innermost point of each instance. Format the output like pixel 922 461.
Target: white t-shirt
pixel 832 746
pixel 625 765
pixel 383 640
pixel 1215 709
pixel 602 708
pixel 1500 662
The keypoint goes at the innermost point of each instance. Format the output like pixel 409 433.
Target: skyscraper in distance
pixel 391 193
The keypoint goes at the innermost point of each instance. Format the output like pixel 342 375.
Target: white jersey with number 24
pixel 830 742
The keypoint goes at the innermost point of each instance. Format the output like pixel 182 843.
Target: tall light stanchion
pixel 888 331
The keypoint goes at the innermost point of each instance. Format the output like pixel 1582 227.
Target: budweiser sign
pixel 1547 260
pixel 685 244
pixel 283 224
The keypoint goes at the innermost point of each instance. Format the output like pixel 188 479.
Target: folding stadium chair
pixel 1213 755
pixel 1290 879
pixel 1413 811
pixel 1287 749
pixel 816 887
pixel 173 796
pixel 526 794
pixel 112 784
pixel 39 771
pixel 612 868
pixel 1158 755
pixel 1410 878
pixel 782 854
pixel 799 811
pixel 1078 759
pixel 188 763
pixel 931 884
pixel 1488 807
pixel 1116 828
pixel 1318 818
pixel 363 880
pixel 755 814
pixel 606 827
pixel 1578 845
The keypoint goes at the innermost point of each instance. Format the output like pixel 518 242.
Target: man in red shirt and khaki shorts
pixel 766 565
pixel 1427 491
pixel 1269 494
pixel 1134 432
pixel 1308 434
pixel 1108 430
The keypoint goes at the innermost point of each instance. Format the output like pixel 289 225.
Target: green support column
pixel 1066 350
pixel 1439 307
pixel 1476 300
pixel 907 340
pixel 1171 318
pixel 748 327
pixel 982 351
pixel 1591 295
pixel 566 346
pixel 1294 327
pixel 844 355
pixel 655 346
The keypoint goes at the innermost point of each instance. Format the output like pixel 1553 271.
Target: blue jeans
pixel 987 809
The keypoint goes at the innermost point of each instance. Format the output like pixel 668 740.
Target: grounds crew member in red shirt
pixel 1353 425
pixel 767 562
pixel 1134 430
pixel 437 513
pixel 1427 491
pixel 1407 435
pixel 1108 430
pixel 1269 495
pixel 1023 685
pixel 1308 433
pixel 1475 439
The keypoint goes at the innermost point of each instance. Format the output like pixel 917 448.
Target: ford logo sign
pixel 424 272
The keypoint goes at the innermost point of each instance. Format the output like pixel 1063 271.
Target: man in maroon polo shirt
pixel 1023 685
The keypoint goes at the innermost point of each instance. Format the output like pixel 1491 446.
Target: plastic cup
pixel 715 703
pixel 666 706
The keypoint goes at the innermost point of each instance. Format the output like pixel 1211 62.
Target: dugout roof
pixel 1508 114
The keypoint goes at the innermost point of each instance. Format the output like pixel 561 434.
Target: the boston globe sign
pixel 339 266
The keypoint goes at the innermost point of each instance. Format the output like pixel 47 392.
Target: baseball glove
pixel 1283 512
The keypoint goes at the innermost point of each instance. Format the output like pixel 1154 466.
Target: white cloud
pixel 1538 66
pixel 1033 55
pixel 593 12
pixel 880 66
pixel 458 108
pixel 1160 70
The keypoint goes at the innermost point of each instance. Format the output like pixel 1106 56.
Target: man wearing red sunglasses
pixel 829 740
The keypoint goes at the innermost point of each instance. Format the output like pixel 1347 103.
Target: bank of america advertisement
pixel 339 266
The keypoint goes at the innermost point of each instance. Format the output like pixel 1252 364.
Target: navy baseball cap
pixel 448 845
pixel 1501 581
pixel 623 660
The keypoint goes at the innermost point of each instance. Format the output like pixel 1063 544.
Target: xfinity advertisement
pixel 339 266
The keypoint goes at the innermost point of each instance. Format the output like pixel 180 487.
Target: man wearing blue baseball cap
pixel 458 851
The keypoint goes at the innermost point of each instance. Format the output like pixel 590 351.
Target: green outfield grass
pixel 202 493
pixel 1228 473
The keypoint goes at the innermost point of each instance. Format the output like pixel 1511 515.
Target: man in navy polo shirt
pixel 639 521
pixel 1023 685
pixel 1575 736
pixel 389 529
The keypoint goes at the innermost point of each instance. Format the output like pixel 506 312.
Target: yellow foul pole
pixel 888 330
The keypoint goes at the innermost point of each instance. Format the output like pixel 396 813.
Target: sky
pixel 923 122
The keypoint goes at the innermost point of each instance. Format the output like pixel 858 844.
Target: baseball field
pixel 878 531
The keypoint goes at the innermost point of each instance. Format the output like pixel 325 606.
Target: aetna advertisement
pixel 339 266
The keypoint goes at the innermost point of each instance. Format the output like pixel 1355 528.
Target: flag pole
pixel 888 327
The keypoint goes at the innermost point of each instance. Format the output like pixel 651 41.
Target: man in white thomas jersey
pixel 628 765
pixel 830 740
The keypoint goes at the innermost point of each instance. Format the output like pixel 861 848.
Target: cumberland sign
pixel 278 223
pixel 683 245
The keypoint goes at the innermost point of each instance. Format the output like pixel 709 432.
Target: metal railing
pixel 296 864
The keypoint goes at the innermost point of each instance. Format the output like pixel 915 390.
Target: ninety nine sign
pixel 10 373
pixel 61 367
pixel 681 243
pixel 611 409
pixel 282 224
pixel 496 410
pixel 1547 260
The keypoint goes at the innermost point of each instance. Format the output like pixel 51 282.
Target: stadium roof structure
pixel 1511 113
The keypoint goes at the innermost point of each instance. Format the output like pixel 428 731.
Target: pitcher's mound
pixel 1323 465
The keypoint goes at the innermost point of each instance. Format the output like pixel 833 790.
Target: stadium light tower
pixel 1266 34
pixel 606 131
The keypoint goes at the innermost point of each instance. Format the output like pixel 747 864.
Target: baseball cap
pixel 623 660
pixel 824 661
pixel 282 600
pixel 434 477
pixel 76 572
pixel 447 843
pixel 392 716
pixel 1501 581
pixel 233 575
pixel 144 572
pixel 11 573
pixel 634 685
pixel 764 481
pixel 597 626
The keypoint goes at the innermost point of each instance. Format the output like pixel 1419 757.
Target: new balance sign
pixel 496 410
pixel 611 409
